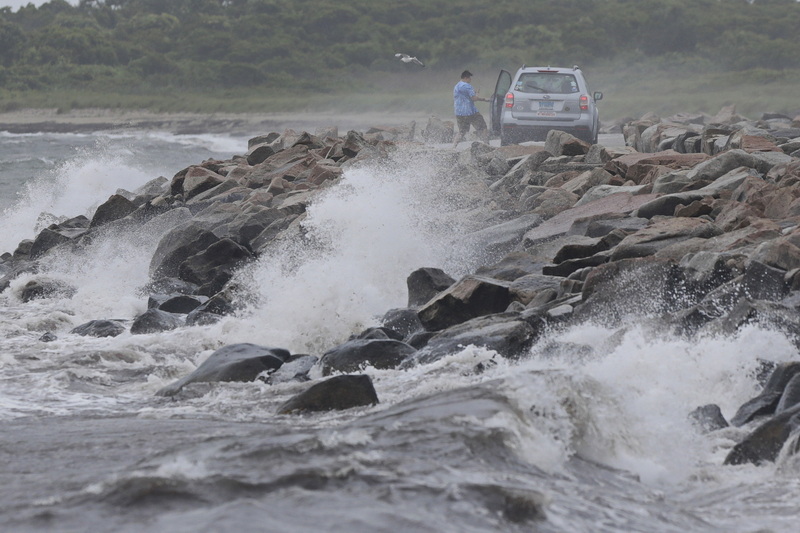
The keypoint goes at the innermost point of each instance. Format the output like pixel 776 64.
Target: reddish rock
pixel 322 173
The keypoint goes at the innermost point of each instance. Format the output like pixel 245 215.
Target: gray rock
pixel 296 368
pixel 562 143
pixel 115 208
pixel 506 236
pixel 404 321
pixel 506 333
pixel 213 267
pixel 177 246
pixel 156 320
pixel 470 297
pixel 512 266
pixel 766 402
pixel 46 288
pixel 181 303
pixel 337 393
pixel 766 441
pixel 99 328
pixel 355 354
pixel 791 395
pixel 425 283
pixel 235 362
pixel 708 418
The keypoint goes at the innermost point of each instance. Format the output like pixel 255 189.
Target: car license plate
pixel 545 113
pixel 545 106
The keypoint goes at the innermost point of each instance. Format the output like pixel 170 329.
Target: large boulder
pixel 214 267
pixel 115 208
pixel 47 239
pixel 505 333
pixel 470 297
pixel 355 354
pixel 155 321
pixel 99 328
pixel 46 288
pixel 767 440
pixel 662 233
pixel 425 283
pixel 336 393
pixel 235 362
pixel 562 143
pixel 177 245
pixel 767 401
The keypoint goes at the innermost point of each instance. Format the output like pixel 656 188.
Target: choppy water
pixel 588 434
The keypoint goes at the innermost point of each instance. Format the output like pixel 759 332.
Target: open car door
pixel 496 103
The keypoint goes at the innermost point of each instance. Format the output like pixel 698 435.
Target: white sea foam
pixel 75 188
pixel 359 243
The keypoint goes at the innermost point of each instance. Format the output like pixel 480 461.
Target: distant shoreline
pixel 94 120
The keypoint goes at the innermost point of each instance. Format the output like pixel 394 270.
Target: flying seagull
pixel 405 58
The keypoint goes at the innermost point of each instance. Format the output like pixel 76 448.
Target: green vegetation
pixel 317 55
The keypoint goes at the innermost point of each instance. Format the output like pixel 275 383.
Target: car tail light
pixel 510 100
pixel 584 102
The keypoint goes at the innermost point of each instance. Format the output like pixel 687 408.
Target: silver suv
pixel 539 99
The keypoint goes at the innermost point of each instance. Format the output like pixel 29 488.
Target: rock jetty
pixel 693 226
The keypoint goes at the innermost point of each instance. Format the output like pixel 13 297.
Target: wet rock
pixel 45 241
pixel 766 402
pixel 99 328
pixel 767 440
pixel 403 321
pixel 235 362
pixel 156 320
pixel 506 333
pixel 708 418
pixel 337 393
pixel 295 368
pixel 177 246
pixel 115 208
pixel 791 395
pixel 425 283
pixel 181 303
pixel 355 354
pixel 213 267
pixel 46 288
pixel 470 297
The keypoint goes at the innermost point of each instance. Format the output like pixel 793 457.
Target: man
pixel 464 98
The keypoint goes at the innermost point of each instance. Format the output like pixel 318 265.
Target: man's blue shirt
pixel 462 99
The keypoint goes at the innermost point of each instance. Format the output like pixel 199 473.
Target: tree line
pixel 319 45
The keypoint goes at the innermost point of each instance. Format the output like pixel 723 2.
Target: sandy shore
pixel 87 120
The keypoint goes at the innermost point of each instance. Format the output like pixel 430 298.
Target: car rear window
pixel 546 82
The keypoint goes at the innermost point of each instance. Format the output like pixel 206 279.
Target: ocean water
pixel 588 433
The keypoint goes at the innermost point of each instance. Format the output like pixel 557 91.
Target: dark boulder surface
pixel 99 328
pixel 336 393
pixel 355 354
pixel 235 362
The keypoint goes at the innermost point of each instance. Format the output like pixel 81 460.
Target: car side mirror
pixel 598 95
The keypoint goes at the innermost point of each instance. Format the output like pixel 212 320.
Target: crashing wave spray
pixel 348 263
pixel 76 187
